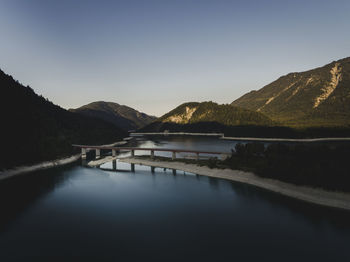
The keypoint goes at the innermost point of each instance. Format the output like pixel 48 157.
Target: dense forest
pixel 209 117
pixel 193 112
pixel 33 129
pixel 317 165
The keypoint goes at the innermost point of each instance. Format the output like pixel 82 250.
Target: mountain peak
pixel 316 97
pixel 119 115
pixel 208 115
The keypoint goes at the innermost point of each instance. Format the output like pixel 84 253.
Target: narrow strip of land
pixel 176 134
pixel 322 139
pixel 262 139
pixel 44 165
pixel 101 161
pixel 4 174
pixel 312 195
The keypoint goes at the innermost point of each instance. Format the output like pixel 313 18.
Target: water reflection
pixel 214 183
pixel 154 213
pixel 314 214
pixel 20 193
pixel 114 163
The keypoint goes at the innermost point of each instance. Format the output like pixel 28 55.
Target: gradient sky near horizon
pixel 154 55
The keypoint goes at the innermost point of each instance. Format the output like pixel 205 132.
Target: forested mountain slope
pixel 315 98
pixel 33 129
pixel 121 116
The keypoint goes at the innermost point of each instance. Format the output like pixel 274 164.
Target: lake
pixel 75 213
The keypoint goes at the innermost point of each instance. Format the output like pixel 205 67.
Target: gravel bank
pixel 312 195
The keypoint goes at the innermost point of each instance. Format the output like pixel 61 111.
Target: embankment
pixel 44 165
pixel 312 195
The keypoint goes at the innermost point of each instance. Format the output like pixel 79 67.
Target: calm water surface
pixel 87 214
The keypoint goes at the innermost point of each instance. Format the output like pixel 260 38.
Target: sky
pixel 154 55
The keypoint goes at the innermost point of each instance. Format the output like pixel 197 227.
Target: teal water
pixel 77 213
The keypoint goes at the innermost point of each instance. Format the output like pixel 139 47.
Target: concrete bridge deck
pixel 114 150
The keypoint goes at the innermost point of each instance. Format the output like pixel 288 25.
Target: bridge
pixel 85 148
pixel 133 134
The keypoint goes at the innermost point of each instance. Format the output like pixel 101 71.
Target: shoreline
pixel 40 166
pixel 222 136
pixel 135 134
pixel 20 170
pixel 316 196
pixel 321 139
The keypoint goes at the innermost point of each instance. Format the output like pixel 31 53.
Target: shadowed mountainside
pixel 121 116
pixel 33 129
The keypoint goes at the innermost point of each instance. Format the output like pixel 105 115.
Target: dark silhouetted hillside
pixel 121 116
pixel 33 129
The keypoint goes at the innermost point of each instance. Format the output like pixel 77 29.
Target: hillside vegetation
pixel 189 113
pixel 315 98
pixel 208 117
pixel 121 116
pixel 322 165
pixel 33 129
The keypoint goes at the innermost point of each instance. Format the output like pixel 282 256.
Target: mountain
pixel 121 116
pixel 315 98
pixel 33 129
pixel 194 112
pixel 207 117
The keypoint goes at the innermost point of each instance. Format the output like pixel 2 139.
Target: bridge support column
pixel 114 163
pixel 152 169
pixel 174 155
pixel 83 153
pixel 132 153
pixel 132 167
pixel 152 154
pixel 197 156
pixel 98 153
pixel 114 153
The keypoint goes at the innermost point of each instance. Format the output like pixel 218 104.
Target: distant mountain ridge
pixel 194 112
pixel 207 117
pixel 318 97
pixel 33 129
pixel 121 116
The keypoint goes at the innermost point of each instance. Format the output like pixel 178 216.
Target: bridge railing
pixel 85 148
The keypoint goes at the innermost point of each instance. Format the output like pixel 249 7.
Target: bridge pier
pixel 83 153
pixel 152 154
pixel 133 153
pixel 174 155
pixel 114 163
pixel 98 153
pixel 132 167
pixel 197 156
pixel 152 169
pixel 114 153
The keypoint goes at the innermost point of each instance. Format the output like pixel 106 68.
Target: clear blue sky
pixel 155 55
